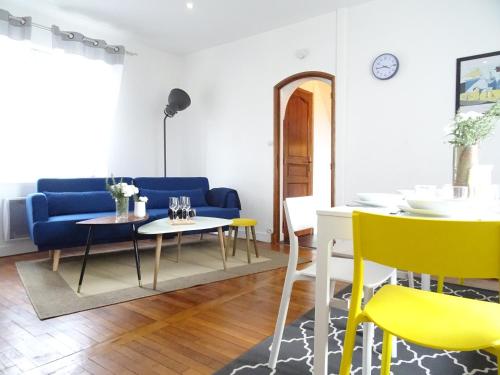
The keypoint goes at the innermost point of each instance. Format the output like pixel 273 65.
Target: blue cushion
pixel 159 198
pixel 222 213
pixel 157 213
pixel 172 183
pixel 75 184
pixel 61 232
pixel 79 202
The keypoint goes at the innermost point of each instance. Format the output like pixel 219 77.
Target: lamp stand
pixel 165 146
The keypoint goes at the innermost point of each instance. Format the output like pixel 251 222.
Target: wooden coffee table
pixel 111 220
pixel 164 226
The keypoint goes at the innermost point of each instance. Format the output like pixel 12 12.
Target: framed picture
pixel 478 82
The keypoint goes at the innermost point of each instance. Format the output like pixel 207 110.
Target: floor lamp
pixel 178 100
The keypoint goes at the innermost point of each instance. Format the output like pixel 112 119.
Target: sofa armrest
pixel 223 197
pixel 37 209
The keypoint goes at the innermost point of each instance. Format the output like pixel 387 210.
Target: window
pixel 56 112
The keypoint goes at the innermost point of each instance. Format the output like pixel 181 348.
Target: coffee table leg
pixel 87 250
pixel 157 259
pixel 222 250
pixel 179 242
pixel 136 251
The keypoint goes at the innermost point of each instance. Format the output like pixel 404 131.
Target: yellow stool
pixel 246 223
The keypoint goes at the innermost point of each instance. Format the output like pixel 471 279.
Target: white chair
pixel 301 214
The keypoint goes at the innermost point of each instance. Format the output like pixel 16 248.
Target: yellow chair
pixel 466 249
pixel 247 224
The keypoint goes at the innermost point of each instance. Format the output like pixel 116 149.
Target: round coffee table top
pixel 163 226
pixel 111 220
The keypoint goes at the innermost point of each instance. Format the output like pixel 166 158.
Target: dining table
pixel 335 223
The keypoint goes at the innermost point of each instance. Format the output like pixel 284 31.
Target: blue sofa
pixel 59 203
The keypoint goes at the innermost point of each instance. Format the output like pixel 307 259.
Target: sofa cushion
pixel 222 213
pixel 157 213
pixel 79 202
pixel 61 231
pixel 62 185
pixel 159 198
pixel 172 183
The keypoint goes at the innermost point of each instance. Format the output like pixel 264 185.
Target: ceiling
pixel 171 26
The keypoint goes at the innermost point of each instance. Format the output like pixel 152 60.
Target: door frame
pixel 277 207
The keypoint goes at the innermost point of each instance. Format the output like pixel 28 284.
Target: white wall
pixel 389 134
pixel 227 133
pixel 137 148
pixel 393 132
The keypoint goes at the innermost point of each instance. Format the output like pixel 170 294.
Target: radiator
pixel 15 224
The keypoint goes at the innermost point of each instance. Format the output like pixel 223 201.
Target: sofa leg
pixel 56 254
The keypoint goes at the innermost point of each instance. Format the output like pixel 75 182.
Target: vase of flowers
pixel 467 131
pixel 140 206
pixel 121 192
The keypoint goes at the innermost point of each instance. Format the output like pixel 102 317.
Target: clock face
pixel 385 66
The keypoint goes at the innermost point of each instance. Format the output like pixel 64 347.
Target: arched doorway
pixel 282 91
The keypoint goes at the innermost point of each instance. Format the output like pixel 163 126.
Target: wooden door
pixel 298 148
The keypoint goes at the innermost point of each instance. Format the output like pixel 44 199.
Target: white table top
pixel 163 226
pixel 346 211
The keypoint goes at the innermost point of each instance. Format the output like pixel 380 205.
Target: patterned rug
pixel 296 353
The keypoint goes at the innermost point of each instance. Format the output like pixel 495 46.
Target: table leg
pixel 235 239
pixel 179 242
pixel 159 238
pixel 322 300
pixel 426 282
pixel 222 250
pixel 136 251
pixel 87 250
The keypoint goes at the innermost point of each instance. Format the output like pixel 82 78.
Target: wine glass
pixel 187 205
pixel 182 200
pixel 173 204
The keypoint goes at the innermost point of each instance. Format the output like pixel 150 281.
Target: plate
pixel 442 205
pixel 421 212
pixel 379 199
pixel 372 204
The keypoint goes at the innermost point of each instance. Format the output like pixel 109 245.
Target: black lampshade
pixel 178 100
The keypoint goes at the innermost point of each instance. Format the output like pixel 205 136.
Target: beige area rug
pixel 112 278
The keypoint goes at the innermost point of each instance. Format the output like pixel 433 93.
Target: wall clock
pixel 385 66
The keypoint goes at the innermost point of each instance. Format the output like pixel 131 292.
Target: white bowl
pixel 440 205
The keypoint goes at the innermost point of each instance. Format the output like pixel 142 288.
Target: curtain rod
pixel 43 27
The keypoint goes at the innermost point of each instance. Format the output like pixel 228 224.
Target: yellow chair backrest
pixel 469 249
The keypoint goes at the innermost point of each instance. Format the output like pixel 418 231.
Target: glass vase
pixel 464 158
pixel 121 209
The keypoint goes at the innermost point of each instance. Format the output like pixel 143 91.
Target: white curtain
pixel 18 28
pixel 79 44
pixel 56 114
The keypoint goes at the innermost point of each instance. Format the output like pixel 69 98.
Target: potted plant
pixel 467 131
pixel 121 192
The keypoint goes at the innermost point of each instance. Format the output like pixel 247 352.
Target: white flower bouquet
pixel 121 189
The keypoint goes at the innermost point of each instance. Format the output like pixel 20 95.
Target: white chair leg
pixel 332 293
pixel 280 322
pixel 332 289
pixel 368 329
pixel 411 281
pixel 394 281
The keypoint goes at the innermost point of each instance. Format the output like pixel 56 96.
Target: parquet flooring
pixel 191 331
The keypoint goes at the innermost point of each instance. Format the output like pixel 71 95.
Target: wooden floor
pixel 192 331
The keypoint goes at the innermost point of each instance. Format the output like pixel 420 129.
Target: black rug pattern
pixel 296 353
